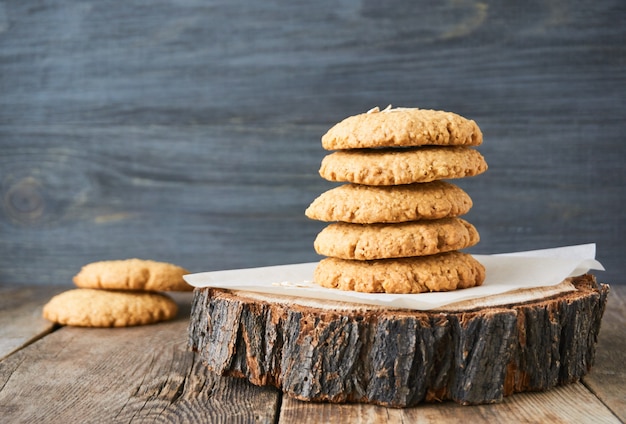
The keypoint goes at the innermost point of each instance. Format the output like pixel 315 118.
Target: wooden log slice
pixel 339 352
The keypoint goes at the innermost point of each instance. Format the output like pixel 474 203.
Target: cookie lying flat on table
pixel 402 127
pixel 381 241
pixel 441 272
pixel 108 308
pixel 402 166
pixel 362 204
pixel 132 274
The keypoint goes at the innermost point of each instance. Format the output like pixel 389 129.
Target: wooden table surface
pixel 147 374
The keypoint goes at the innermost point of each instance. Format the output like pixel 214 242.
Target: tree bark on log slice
pixel 320 351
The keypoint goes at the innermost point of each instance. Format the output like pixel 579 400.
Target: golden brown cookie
pixel 109 308
pixel 441 272
pixel 402 127
pixel 362 204
pixel 132 274
pixel 382 241
pixel 402 166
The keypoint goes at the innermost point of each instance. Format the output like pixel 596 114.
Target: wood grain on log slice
pixel 338 352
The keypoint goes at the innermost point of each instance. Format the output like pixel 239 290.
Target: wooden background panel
pixel 190 131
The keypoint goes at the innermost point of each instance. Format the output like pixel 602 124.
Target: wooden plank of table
pixel 565 404
pixel 20 315
pixel 608 375
pixel 124 374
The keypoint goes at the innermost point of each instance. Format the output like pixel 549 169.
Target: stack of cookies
pixel 119 294
pixel 395 225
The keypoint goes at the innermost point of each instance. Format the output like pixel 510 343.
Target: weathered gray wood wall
pixel 189 131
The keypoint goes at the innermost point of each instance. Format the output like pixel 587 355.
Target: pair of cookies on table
pixel 119 293
pixel 395 223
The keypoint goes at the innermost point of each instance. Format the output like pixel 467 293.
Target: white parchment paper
pixel 504 273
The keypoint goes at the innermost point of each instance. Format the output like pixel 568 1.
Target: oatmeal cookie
pixel 434 273
pixel 132 274
pixel 362 204
pixel 402 127
pixel 382 241
pixel 402 166
pixel 109 308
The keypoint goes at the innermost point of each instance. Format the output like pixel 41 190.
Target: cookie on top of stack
pixel 395 224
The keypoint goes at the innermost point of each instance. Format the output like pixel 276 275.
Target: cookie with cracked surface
pixel 402 127
pixel 109 308
pixel 363 204
pixel 381 241
pixel 132 274
pixel 441 272
pixel 402 166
